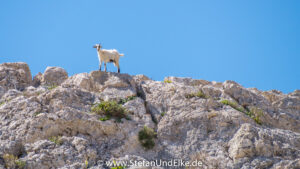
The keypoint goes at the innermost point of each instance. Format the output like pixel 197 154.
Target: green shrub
pixel 167 81
pixel 9 160
pixel 110 109
pixel 257 120
pixel 20 164
pixel 233 105
pixel 37 113
pixel 56 139
pixel 86 164
pixel 146 136
pixel 51 87
pixel 163 114
pixel 12 161
pixel 199 94
pixel 123 101
pixel 118 167
pixel 254 113
pixel 1 103
pixel 104 118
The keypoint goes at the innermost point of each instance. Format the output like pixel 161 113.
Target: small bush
pixel 199 94
pixel 110 109
pixel 37 113
pixel 12 161
pixel 146 136
pixel 51 87
pixel 104 118
pixel 86 164
pixel 163 114
pixel 254 113
pixel 56 139
pixel 167 81
pixel 233 105
pixel 257 120
pixel 118 167
pixel 9 160
pixel 129 98
pixel 1 103
pixel 20 164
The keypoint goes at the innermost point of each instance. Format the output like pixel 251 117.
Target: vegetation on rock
pixel 167 81
pixel 199 94
pixel 110 109
pixel 56 139
pixel 124 100
pixel 12 161
pixel 146 137
pixel 255 113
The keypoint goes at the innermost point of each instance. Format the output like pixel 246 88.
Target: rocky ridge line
pixel 224 125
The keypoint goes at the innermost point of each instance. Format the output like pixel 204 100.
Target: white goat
pixel 111 55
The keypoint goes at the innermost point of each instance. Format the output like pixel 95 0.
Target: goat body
pixel 108 55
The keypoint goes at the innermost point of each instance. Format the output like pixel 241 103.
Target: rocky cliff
pixel 83 121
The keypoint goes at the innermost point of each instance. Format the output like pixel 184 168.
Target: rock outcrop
pixel 15 76
pixel 52 76
pixel 48 122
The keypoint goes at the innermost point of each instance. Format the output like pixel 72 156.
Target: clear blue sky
pixel 253 42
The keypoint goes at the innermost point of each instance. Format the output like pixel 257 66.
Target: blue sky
pixel 255 43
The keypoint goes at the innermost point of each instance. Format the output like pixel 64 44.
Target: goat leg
pixel 100 65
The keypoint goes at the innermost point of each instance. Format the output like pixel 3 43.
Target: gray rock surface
pixel 15 76
pixel 54 76
pixel 53 127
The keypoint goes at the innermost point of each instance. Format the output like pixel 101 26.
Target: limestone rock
pixel 37 79
pixel 48 123
pixel 98 81
pixel 270 144
pixel 140 78
pixel 81 80
pixel 296 93
pixel 250 141
pixel 15 76
pixel 187 81
pixel 47 154
pixel 54 76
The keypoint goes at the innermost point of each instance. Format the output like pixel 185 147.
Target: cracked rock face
pixel 15 76
pixel 47 122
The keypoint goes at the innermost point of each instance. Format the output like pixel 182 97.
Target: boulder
pixel 111 86
pixel 250 141
pixel 54 76
pixel 15 76
pixel 81 80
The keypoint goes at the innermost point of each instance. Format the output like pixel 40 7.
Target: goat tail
pixel 121 54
